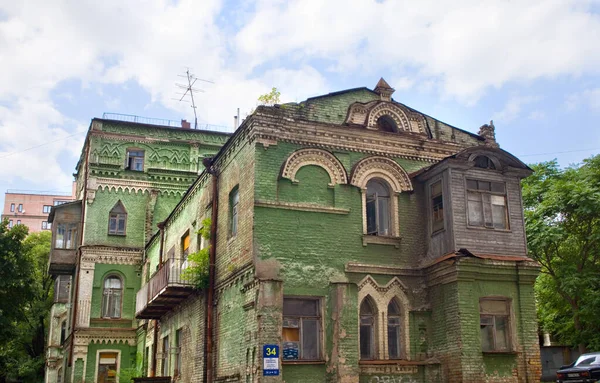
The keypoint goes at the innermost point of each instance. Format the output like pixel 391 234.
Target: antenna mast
pixel 189 89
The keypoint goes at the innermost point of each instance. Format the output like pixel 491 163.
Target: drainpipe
pixel 154 349
pixel 208 329
pixel 80 242
pixel 161 227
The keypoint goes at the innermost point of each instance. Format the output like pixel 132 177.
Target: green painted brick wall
pixel 132 281
pixel 97 214
pixel 127 357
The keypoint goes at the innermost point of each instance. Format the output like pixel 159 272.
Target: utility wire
pixel 546 154
pixel 40 145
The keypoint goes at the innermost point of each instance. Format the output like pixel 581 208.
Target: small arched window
pixel 394 330
pixel 484 162
pixel 111 297
pixel 387 124
pixel 378 207
pixel 367 329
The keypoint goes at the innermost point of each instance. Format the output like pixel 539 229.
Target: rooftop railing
pixel 163 122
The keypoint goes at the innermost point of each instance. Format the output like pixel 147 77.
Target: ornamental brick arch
pixel 380 297
pixel 390 110
pixel 317 157
pixel 380 167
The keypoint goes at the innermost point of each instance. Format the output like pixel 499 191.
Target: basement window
pixel 301 329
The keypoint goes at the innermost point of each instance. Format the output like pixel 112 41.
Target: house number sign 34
pixel 270 360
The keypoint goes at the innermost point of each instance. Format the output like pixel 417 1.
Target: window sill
pixel 117 235
pixel 302 362
pixel 438 231
pixel 488 229
pixel 500 353
pixel 381 240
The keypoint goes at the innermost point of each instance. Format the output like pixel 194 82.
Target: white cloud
pixel 589 98
pixel 459 49
pixel 537 115
pixel 513 108
pixel 471 45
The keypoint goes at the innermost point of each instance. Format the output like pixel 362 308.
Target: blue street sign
pixel 270 360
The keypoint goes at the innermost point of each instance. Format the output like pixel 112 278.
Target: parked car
pixel 586 369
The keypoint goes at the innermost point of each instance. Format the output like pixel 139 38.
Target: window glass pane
pixel 501 332
pixel 121 227
pixel 60 236
pixel 490 306
pixel 498 187
pixel 310 339
pixel 366 308
pixel 112 224
pixel 384 216
pixel 300 307
pixel 499 216
pixel 487 209
pixel 366 342
pixel 371 216
pixel 436 189
pixel 487 337
pixel 475 209
pixel 393 341
pixel 483 185
pixel 377 187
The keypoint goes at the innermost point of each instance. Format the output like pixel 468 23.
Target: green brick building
pixel 367 241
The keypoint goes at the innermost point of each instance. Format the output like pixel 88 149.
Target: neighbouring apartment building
pixel 31 208
pixel 365 241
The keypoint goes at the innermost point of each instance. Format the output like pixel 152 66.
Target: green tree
pixel 562 216
pixel 25 301
pixel 270 98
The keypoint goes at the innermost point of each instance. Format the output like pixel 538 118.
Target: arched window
pixel 394 330
pixel 484 162
pixel 367 329
pixel 387 124
pixel 111 297
pixel 378 207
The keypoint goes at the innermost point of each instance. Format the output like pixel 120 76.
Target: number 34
pixel 271 351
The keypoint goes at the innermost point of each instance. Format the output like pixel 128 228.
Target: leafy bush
pixel 197 271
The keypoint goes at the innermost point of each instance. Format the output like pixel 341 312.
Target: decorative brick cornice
pixel 381 167
pixel 111 255
pixel 83 337
pixel 318 157
pixel 412 146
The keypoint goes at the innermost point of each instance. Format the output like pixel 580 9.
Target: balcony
pixel 62 261
pixel 165 290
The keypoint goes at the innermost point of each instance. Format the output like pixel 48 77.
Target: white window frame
pixel 98 363
pixel 105 295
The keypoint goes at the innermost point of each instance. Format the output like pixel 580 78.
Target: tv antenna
pixel 189 90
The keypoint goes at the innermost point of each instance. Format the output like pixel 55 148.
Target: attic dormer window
pixel 134 160
pixel 386 124
pixel 484 162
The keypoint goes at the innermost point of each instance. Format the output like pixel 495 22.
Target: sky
pixel 533 67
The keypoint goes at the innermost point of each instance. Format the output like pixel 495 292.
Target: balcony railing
pixel 166 289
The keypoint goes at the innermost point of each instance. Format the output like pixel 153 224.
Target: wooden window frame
pixel 319 319
pixel 104 289
pixel 373 346
pixel 178 357
pixel 165 362
pixel 390 222
pixel 132 160
pixel 508 316
pixel 437 207
pixel 234 201
pixel 70 234
pixel 482 193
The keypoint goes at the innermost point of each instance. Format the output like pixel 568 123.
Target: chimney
pixel 488 132
pixel 185 124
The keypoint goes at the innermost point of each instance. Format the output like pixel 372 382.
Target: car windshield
pixel 586 360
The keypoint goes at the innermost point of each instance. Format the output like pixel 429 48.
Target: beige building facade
pixel 31 208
